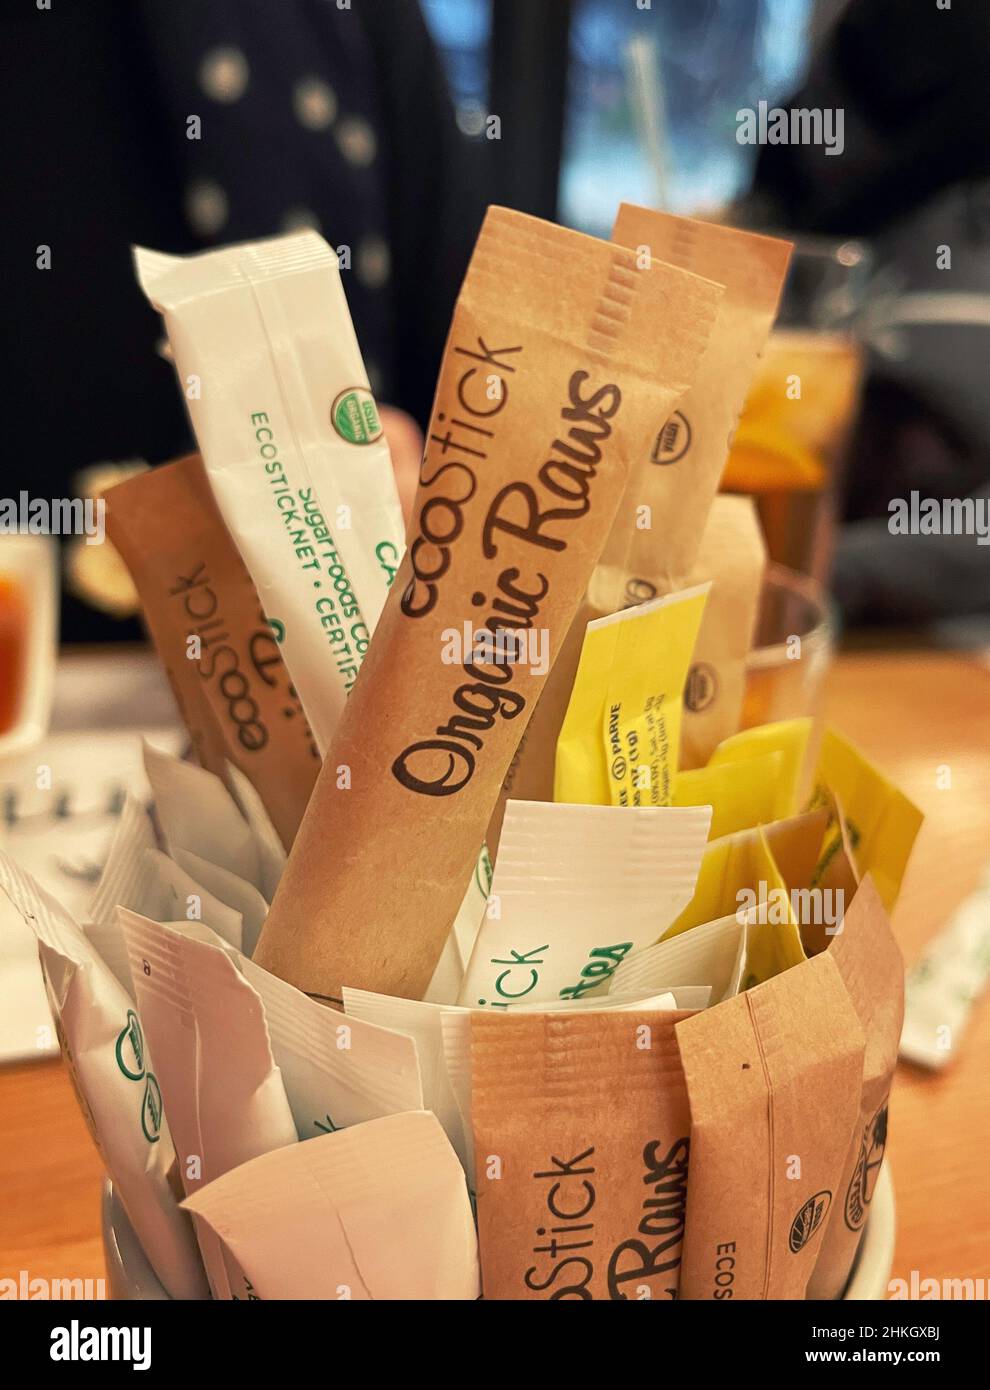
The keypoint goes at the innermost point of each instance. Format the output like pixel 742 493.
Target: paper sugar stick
pixel 581 1135
pixel 946 981
pixel 689 450
pixel 773 1080
pixel 872 970
pixel 292 442
pixel 577 890
pixel 732 558
pixel 654 540
pixel 205 617
pixel 561 351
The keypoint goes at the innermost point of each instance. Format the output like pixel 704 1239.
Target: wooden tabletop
pixel 915 713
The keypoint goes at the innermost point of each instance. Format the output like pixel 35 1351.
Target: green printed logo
pixel 278 629
pixel 151 1110
pixel 354 416
pixel 130 1048
pixel 483 871
pixel 129 1052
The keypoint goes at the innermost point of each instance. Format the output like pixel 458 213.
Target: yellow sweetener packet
pixel 789 737
pixel 773 932
pixel 741 794
pixel 619 741
pixel 748 874
pixel 751 778
pixel 881 823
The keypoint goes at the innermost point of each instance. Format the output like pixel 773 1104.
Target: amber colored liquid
pixel 799 525
pixel 13 649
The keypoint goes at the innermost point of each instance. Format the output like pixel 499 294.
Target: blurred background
pixel 389 126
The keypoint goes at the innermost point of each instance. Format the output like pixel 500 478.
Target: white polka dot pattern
pixel 206 207
pixel 373 262
pixel 314 103
pixel 356 140
pixel 223 74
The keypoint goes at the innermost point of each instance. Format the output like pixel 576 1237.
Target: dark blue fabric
pixel 96 102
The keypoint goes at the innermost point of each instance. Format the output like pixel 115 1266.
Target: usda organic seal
pixel 808 1219
pixel 354 416
pixel 864 1178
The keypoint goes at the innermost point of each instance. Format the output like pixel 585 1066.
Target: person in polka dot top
pixel 183 125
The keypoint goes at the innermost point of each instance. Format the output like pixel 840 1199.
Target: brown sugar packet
pixel 732 556
pixel 581 1154
pixel 220 654
pixel 547 391
pixel 190 697
pixel 675 476
pixel 680 474
pixel 773 1080
pixel 872 968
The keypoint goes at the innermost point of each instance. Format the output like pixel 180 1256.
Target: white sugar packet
pixel 271 851
pixel 121 884
pixel 196 812
pixel 692 997
pixel 206 1024
pixel 425 1023
pixel 576 890
pixel 104 1049
pixel 712 954
pixel 236 893
pixel 222 1090
pixel 946 982
pixel 378 1211
pixel 202 825
pixel 448 977
pixel 174 894
pixel 293 445
pixel 421 1021
pixel 139 876
pixel 336 1071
